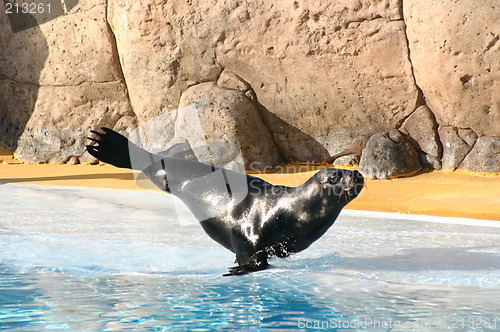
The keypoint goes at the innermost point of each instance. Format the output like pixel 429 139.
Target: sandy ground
pixel 452 194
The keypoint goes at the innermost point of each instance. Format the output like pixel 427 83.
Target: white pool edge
pixel 423 218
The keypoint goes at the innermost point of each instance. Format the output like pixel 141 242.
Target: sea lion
pixel 247 215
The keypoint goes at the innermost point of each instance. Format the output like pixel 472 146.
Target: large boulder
pixel 454 51
pixel 62 119
pixel 218 122
pixel 421 126
pixel 388 155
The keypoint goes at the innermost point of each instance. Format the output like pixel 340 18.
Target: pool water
pixel 105 260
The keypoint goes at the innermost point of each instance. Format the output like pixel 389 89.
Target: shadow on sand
pixel 96 176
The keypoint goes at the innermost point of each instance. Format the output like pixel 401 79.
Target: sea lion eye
pixel 333 179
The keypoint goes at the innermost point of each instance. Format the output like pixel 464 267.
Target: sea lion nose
pixel 351 180
pixel 347 183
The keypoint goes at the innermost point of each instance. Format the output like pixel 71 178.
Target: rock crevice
pixel 116 56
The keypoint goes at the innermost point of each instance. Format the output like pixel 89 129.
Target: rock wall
pixel 455 51
pixel 58 79
pixel 315 79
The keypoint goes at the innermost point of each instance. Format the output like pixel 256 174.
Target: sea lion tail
pixel 115 149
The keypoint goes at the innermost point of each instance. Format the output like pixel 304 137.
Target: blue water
pixel 92 260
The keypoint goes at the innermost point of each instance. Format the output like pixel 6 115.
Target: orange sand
pixel 453 194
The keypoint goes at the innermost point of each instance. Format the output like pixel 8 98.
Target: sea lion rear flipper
pixel 115 149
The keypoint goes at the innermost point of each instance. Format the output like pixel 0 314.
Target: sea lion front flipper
pixel 245 269
pixel 258 262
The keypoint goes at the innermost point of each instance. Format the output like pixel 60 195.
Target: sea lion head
pixel 341 183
